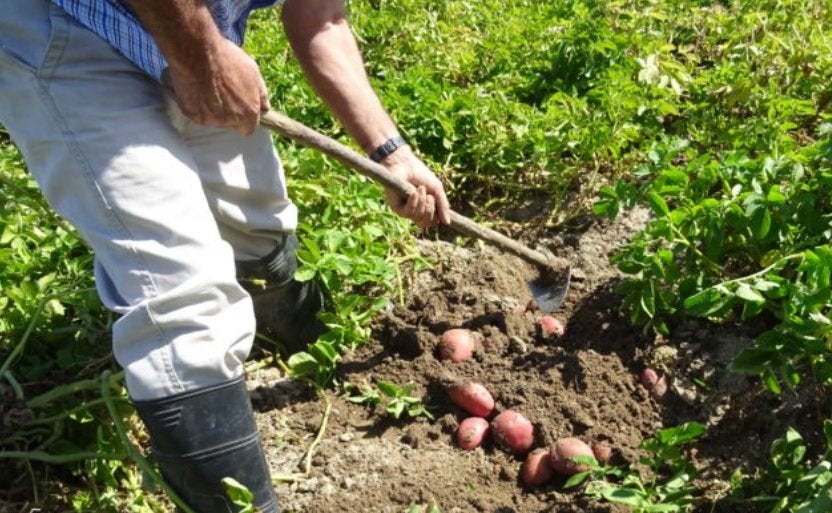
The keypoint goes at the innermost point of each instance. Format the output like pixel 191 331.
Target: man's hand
pixel 214 82
pixel 230 92
pixel 427 205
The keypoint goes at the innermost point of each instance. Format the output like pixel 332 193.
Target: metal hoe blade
pixel 550 288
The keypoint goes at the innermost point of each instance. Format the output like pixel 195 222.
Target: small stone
pixel 577 274
pixel 517 345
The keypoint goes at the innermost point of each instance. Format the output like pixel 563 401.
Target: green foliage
pixel 738 185
pixel 735 238
pixel 239 495
pixel 791 484
pixel 316 363
pixel 399 401
pixel 666 486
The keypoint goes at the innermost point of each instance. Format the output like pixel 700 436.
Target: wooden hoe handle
pixel 306 136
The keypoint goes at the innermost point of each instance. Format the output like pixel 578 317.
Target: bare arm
pixel 213 80
pixel 328 53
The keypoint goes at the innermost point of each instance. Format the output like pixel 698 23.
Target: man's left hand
pixel 427 205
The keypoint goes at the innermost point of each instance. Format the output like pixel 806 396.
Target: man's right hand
pixel 227 91
pixel 214 81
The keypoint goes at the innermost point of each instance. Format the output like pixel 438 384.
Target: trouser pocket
pixel 33 34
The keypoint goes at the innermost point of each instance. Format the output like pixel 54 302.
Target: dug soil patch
pixel 583 384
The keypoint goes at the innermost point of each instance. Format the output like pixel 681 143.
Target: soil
pixel 584 384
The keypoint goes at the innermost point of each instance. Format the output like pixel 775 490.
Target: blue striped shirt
pixel 116 24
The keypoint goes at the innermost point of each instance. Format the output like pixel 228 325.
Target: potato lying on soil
pixel 562 452
pixel 472 397
pixel 654 383
pixel 551 326
pixel 537 469
pixel 472 432
pixel 456 345
pixel 602 451
pixel 513 432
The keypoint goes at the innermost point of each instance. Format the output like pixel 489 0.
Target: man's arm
pixel 214 81
pixel 328 53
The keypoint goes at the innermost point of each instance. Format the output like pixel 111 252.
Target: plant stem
pixel 64 414
pixel 288 478
pixel 18 349
pixel 713 266
pixel 68 389
pixel 18 391
pixel 763 272
pixel 307 460
pixel 134 453
pixel 58 458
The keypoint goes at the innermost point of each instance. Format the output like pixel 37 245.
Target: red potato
pixel 602 451
pixel 660 388
pixel 562 452
pixel 472 432
pixel 537 469
pixel 513 432
pixel 551 326
pixel 654 383
pixel 473 398
pixel 649 377
pixel 456 345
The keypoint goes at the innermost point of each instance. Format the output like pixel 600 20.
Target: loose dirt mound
pixel 583 384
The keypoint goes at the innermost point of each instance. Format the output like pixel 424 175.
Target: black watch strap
pixel 387 147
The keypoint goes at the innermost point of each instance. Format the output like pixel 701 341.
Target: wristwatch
pixel 387 148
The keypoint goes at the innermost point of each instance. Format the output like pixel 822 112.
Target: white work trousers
pixel 166 212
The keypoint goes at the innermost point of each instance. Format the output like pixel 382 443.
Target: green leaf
pixel 396 408
pixel 682 433
pixel 701 302
pixel 657 203
pixel 626 496
pixel 775 195
pixel 745 292
pixel 827 433
pixel 751 310
pixel 771 382
pixel 305 273
pixel 324 352
pixel 388 389
pixel 760 222
pixel 302 364
pixel 820 504
pixel 238 494
pixel 752 360
pixel 576 479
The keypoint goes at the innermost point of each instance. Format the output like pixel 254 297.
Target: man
pixel 177 218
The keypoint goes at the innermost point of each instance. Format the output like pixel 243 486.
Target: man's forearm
pixel 327 51
pixel 183 29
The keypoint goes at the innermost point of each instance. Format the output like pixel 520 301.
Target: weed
pixel 647 492
pixel 399 402
pixel 791 484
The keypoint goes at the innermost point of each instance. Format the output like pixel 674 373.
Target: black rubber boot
pixel 200 437
pixel 286 309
